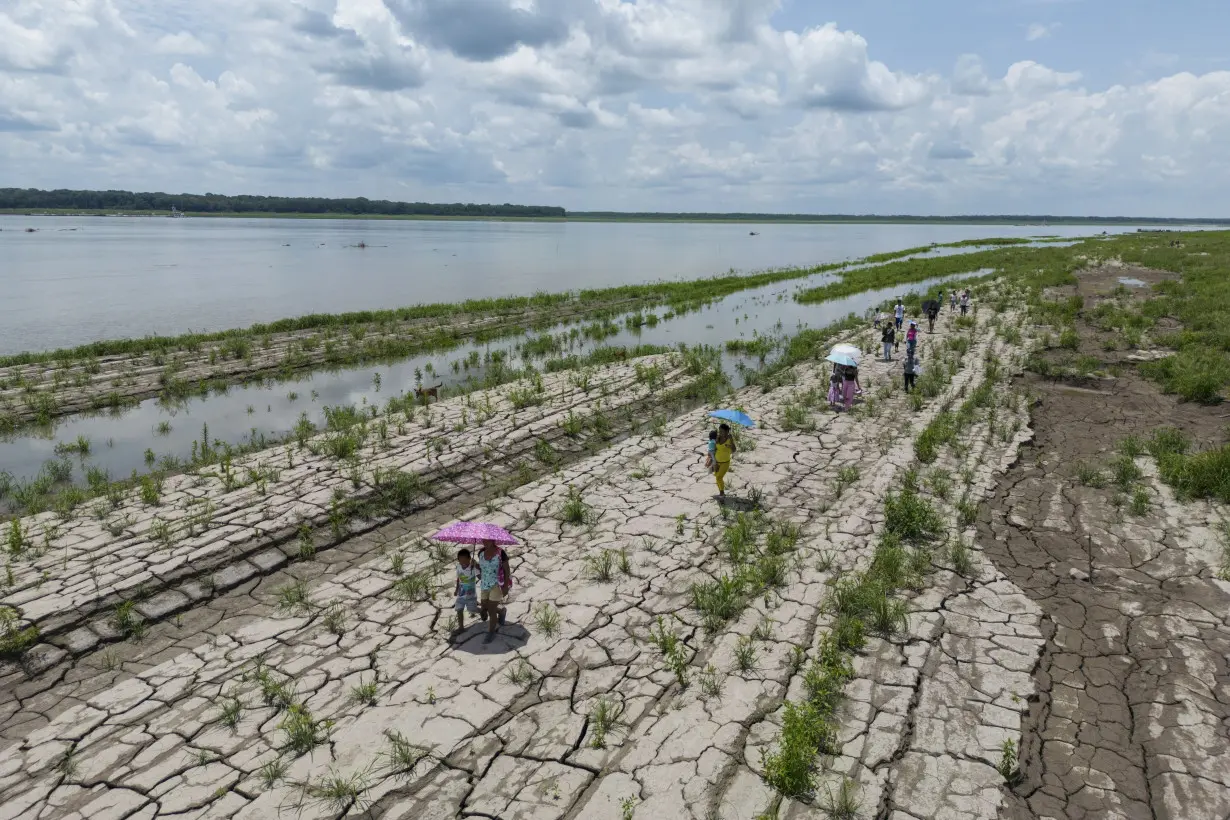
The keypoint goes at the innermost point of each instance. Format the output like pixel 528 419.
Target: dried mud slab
pixel 199 534
pixel 1134 686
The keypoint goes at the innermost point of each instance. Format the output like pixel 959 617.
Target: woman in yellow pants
pixel 721 458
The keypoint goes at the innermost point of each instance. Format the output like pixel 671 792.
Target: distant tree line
pixel 33 199
pixel 967 219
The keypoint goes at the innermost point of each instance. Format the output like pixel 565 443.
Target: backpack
pixel 504 579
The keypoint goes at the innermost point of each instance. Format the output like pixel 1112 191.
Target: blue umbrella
pixel 738 417
pixel 843 359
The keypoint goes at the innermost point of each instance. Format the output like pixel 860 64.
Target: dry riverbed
pixel 657 647
pixel 158 549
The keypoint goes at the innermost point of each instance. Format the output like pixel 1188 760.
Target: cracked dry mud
pixel 226 524
pixel 137 730
pixel 1133 712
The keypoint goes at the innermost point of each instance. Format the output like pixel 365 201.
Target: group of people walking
pixel 844 383
pixel 890 333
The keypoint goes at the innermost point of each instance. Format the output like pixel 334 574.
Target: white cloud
pixel 180 43
pixel 1039 31
pixel 970 76
pixel 652 104
pixel 830 68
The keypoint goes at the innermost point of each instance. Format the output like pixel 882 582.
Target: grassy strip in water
pixel 878 258
pixel 626 296
pixel 52 488
pixel 655 293
pixel 1008 260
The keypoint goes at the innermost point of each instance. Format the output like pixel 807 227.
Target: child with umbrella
pixel 726 448
pixel 494 573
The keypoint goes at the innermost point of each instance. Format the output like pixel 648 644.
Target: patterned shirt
pixel 467 577
pixel 489 570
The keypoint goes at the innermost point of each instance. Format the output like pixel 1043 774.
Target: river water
pixel 122 441
pixel 75 280
pixel 80 279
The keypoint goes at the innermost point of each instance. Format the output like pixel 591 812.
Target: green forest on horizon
pixel 34 200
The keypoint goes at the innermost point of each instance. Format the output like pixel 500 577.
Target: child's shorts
pixel 467 602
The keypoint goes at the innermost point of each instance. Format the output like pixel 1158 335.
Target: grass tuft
pixel 365 693
pixel 603 720
pixel 302 731
pixel 546 618
pixel 402 756
pixel 843 802
pixel 294 597
pixel 575 510
pixel 600 566
pixel 911 518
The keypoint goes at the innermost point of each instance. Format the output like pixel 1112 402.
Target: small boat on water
pixel 176 213
pixel 753 233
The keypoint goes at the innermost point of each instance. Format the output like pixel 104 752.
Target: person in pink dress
pixel 849 385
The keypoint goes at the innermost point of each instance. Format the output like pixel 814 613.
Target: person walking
pixel 835 386
pixel 466 587
pixel 888 338
pixel 494 582
pixel 721 457
pixel 849 385
pixel 952 300
pixel 911 338
pixel 911 369
pixel 899 313
pixel 964 302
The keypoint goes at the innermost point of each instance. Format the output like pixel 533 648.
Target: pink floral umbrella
pixel 473 532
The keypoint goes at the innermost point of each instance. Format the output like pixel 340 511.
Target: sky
pixel 947 107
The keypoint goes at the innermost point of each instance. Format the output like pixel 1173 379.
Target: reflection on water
pixel 1132 282
pixel 119 441
pixel 113 278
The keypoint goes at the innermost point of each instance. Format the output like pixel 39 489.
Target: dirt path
pixel 1132 718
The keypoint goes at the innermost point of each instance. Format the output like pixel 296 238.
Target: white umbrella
pixel 845 354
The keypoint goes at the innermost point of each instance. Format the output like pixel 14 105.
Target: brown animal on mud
pixel 424 393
